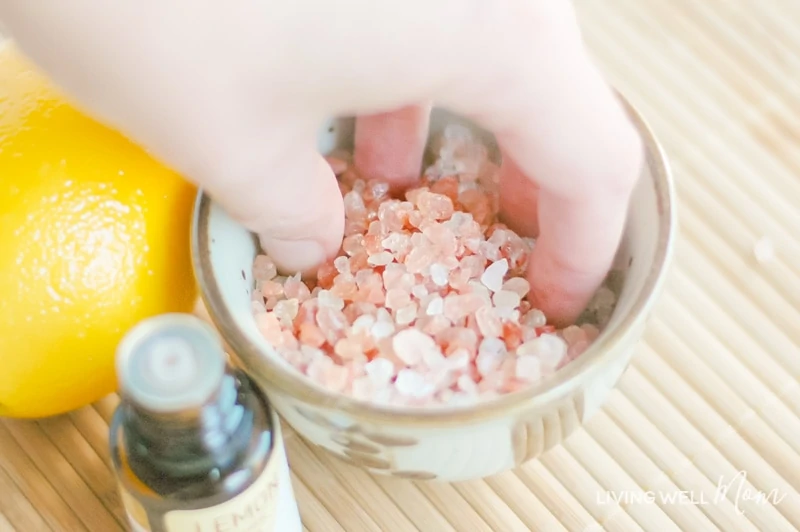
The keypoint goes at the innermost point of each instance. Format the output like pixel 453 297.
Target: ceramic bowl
pixel 444 443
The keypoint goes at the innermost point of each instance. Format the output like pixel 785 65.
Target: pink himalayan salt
pixel 425 304
pixel 492 277
pixel 264 269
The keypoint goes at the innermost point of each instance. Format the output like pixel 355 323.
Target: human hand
pixel 232 94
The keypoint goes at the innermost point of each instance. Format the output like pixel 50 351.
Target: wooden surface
pixel 713 391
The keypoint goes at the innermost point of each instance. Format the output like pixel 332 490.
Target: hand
pixel 231 95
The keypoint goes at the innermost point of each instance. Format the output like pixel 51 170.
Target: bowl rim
pixel 273 376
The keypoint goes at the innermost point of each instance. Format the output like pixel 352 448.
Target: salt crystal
pixel 381 258
pixel 534 318
pixel 264 268
pixel 286 311
pixel 435 206
pixel 433 325
pixel 317 368
pixel 492 345
pixel 409 344
pixel 492 278
pixel 419 291
pixel 528 368
pixel 271 289
pixel 348 349
pixel 295 288
pixel 518 285
pixel 363 323
pixel 270 327
pixel 488 322
pixel 764 250
pixel 506 298
pixel 577 349
pixel 590 331
pixel 380 371
pixel 336 378
pixel 406 314
pixel 439 274
pixel 342 264
pixel 435 306
pixel 467 385
pixel 397 298
pixel 458 360
pixel 487 362
pixel 327 299
pixel 550 348
pixel 382 329
pixel 573 334
pixel 413 384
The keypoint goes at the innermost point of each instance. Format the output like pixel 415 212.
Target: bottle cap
pixel 170 363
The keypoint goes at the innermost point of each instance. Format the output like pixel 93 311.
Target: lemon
pixel 94 236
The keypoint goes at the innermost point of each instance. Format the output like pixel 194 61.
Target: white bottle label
pixel 253 510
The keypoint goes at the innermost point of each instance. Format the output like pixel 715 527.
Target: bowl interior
pixel 224 253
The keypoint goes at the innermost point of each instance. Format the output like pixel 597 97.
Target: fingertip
pixel 560 296
pixel 390 146
pixel 293 256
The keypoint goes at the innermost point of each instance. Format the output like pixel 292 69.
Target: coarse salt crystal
pixel 492 345
pixel 381 258
pixel 382 329
pixel 518 285
pixel 488 322
pixel 467 385
pixel 409 344
pixel 327 299
pixel 458 360
pixel 397 298
pixel 413 384
pixel 528 368
pixel 363 323
pixel 380 371
pixel 435 306
pixel 264 268
pixel 492 278
pixel 419 291
pixel 342 264
pixel 286 311
pixel 439 274
pixel 407 314
pixel 573 334
pixel 550 348
pixel 506 298
pixel 487 362
pixel 534 318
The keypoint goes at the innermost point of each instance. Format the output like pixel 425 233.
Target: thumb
pixel 287 194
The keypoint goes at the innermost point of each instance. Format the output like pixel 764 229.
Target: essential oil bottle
pixel 195 445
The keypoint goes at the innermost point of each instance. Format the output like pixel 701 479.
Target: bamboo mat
pixel 714 389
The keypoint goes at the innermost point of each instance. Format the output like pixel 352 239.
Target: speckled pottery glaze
pixel 444 443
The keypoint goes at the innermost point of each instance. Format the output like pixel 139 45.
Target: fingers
pixel 560 124
pixel 281 188
pixel 518 199
pixel 390 146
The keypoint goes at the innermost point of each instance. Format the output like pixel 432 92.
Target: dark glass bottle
pixel 194 443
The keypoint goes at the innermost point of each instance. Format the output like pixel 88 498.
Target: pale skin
pixel 231 94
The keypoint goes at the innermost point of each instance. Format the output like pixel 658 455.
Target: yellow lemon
pixel 94 236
